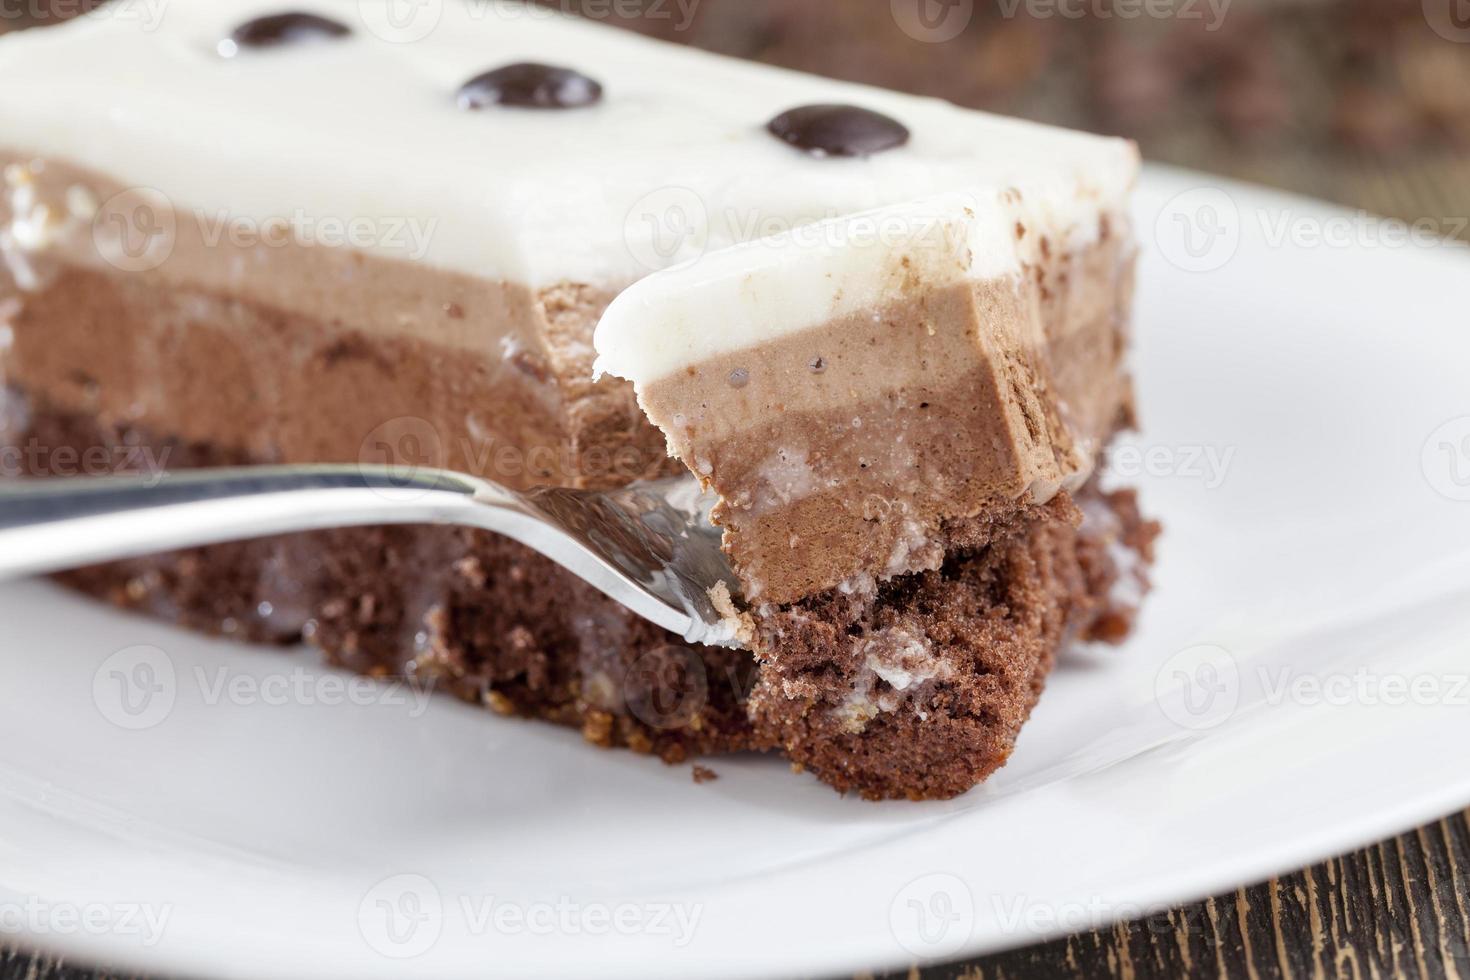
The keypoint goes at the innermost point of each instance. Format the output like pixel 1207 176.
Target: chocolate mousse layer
pixel 245 338
pixel 856 448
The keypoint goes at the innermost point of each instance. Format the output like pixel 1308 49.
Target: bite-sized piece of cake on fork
pixel 889 404
pixel 248 235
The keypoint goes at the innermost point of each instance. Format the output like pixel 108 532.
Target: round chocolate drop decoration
pixel 838 130
pixel 278 29
pixel 527 85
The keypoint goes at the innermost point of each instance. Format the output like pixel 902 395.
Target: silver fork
pixel 650 546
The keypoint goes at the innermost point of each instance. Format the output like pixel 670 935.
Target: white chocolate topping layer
pixel 673 162
pixel 738 297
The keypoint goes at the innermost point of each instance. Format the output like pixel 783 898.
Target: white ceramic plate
pixel 1297 688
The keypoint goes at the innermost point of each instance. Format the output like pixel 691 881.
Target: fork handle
pixel 53 524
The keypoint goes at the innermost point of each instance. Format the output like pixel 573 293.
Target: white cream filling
pixel 30 226
pixel 904 660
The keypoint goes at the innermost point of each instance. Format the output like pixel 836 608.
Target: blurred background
pixel 1366 102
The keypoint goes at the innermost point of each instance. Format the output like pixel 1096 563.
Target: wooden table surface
pixel 1400 908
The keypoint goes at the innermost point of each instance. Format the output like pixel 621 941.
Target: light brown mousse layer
pixel 849 449
pixel 298 353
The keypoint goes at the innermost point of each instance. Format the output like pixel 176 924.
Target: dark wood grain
pixel 1399 909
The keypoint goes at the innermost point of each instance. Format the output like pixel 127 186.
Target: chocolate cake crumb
pixel 703 775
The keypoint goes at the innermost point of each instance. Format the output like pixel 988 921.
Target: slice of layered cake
pixel 889 404
pixel 245 234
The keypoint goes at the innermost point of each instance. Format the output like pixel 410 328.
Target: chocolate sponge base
pixel 911 688
pixel 917 686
